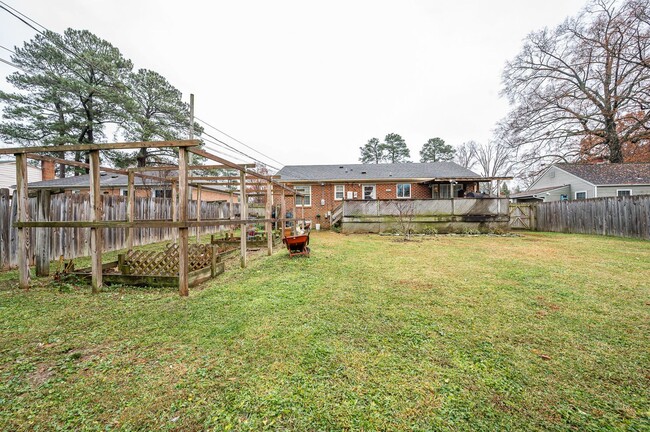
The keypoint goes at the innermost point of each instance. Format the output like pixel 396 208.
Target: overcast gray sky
pixel 310 82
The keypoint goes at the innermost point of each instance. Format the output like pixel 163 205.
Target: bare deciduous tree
pixel 578 81
pixel 465 154
pixel 405 215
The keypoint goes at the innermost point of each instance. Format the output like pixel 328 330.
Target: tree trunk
pixel 613 142
pixel 142 157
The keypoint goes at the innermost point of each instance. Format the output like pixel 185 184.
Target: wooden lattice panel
pixel 165 263
pixel 200 256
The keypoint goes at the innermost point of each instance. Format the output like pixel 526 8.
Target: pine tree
pixel 372 152
pixel 396 149
pixel 435 150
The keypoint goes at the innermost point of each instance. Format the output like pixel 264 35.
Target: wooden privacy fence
pixel 75 242
pixel 613 216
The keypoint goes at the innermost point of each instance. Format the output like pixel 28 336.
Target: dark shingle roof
pixel 533 192
pixel 356 172
pixel 106 180
pixel 83 181
pixel 610 174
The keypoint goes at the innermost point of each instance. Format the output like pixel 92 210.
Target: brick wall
pixel 47 170
pixel 323 201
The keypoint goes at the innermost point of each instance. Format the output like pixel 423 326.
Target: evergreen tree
pixel 69 89
pixel 435 150
pixel 157 113
pixel 396 149
pixel 372 152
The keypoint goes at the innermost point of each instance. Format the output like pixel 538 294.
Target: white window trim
pixel 397 189
pixel 575 196
pixel 363 190
pixel 124 192
pixel 339 199
pixel 623 190
pixel 310 197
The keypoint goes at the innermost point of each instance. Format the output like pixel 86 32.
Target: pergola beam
pixel 192 167
pixel 85 165
pixel 101 146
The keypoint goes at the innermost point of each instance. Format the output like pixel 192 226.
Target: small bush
pixel 429 231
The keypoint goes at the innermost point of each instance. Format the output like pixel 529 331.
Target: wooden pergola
pixel 180 197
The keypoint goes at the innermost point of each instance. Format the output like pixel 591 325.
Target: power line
pixel 28 21
pixel 11 64
pixel 238 141
pixel 7 49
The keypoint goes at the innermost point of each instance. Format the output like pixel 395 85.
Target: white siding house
pixel 8 174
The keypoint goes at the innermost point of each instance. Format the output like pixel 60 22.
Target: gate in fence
pixel 522 216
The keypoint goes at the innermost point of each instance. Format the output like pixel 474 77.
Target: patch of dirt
pixel 499 404
pixel 42 373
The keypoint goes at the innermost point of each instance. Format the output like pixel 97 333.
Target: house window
pixel 124 192
pixel 624 192
pixel 305 200
pixel 445 190
pixel 404 190
pixel 581 195
pixel 339 192
pixel 162 193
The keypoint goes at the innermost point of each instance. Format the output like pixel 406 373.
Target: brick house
pixel 327 186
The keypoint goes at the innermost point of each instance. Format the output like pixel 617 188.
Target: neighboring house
pixel 580 181
pixel 326 186
pixel 117 184
pixel 8 173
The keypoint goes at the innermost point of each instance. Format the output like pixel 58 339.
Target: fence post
pixel 43 235
pixel 5 227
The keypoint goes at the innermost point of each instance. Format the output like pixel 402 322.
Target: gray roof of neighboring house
pixel 610 174
pixel 532 192
pixel 83 181
pixel 356 172
pixel 106 180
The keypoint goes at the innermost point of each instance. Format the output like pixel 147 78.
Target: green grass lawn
pixel 536 332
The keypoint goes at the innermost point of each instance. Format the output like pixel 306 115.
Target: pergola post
pixel 23 207
pixel 43 235
pixel 231 212
pixel 269 211
pixel 95 216
pixel 198 213
pixel 294 216
pixel 283 214
pixel 174 209
pixel 243 206
pixel 183 231
pixel 130 208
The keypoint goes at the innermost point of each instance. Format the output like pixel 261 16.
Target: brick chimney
pixel 47 170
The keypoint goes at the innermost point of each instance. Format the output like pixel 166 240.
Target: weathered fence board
pixel 75 242
pixel 613 216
